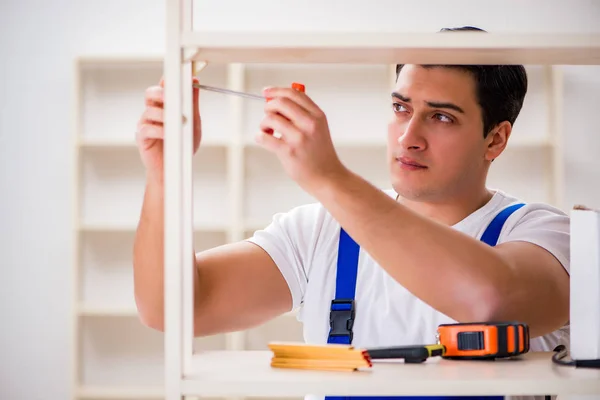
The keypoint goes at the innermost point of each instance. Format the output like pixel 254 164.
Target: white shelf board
pixel 115 144
pixel 112 228
pixel 517 142
pixel 235 373
pixel 120 393
pixel 336 143
pixel 88 310
pixel 379 47
pixel 106 59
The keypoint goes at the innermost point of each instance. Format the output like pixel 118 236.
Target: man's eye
pixel 442 118
pixel 398 107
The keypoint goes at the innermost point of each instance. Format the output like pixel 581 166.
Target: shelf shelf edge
pixel 387 47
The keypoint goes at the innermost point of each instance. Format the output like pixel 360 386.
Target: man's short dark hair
pixel 500 89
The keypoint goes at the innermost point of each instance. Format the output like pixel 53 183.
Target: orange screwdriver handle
pixel 298 86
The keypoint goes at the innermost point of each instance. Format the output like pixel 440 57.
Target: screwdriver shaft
pixel 228 91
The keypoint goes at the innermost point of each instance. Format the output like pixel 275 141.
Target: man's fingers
pixel 150 131
pixel 274 122
pixel 269 142
pixel 290 110
pixel 196 101
pixel 153 115
pixel 195 90
pixel 296 96
pixel 155 96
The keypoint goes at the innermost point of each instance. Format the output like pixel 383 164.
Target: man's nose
pixel 413 135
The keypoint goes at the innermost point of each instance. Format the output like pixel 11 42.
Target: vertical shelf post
pixel 554 94
pixel 188 263
pixel 235 171
pixel 174 213
pixel 76 260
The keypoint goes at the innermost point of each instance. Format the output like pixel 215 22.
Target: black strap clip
pixel 341 318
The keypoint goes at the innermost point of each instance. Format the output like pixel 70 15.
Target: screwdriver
pixel 229 91
pixel 298 86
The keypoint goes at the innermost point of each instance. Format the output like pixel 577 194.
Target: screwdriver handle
pixel 298 86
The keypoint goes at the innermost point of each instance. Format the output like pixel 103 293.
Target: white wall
pixel 38 40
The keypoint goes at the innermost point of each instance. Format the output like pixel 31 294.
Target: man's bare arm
pixel 455 274
pixel 236 286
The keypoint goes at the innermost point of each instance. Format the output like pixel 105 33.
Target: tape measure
pixel 460 341
pixel 487 340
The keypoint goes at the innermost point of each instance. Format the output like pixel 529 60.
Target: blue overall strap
pixel 492 232
pixel 341 317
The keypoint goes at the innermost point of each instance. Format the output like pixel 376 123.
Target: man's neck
pixel 451 211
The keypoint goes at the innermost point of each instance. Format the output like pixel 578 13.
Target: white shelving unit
pixel 109 188
pixel 237 187
pixel 247 373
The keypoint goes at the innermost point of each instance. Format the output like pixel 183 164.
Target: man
pixel 422 260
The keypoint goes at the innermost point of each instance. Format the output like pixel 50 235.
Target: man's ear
pixel 497 140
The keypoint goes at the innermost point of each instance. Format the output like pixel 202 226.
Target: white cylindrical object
pixel 585 284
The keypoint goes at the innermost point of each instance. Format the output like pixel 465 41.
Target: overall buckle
pixel 341 317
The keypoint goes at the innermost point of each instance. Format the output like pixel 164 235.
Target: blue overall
pixel 343 310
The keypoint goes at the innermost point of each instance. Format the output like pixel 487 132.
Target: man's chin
pixel 412 192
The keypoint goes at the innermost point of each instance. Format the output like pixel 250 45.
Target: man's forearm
pixel 450 271
pixel 148 257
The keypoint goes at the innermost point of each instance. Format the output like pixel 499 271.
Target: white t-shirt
pixel 304 244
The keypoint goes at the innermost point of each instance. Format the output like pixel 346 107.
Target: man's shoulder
pixel 300 224
pixel 533 221
pixel 540 212
pixel 303 214
pixel 539 223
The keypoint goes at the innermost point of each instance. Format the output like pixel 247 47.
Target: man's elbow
pixel 152 322
pixel 488 307
pixel 150 316
pixel 495 306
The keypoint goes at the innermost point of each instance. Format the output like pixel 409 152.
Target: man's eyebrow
pixel 445 105
pixel 433 104
pixel 400 97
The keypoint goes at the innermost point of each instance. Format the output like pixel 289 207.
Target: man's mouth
pixel 409 164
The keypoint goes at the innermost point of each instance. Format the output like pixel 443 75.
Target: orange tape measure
pixel 464 341
pixel 486 340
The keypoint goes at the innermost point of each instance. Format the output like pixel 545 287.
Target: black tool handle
pixel 408 353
